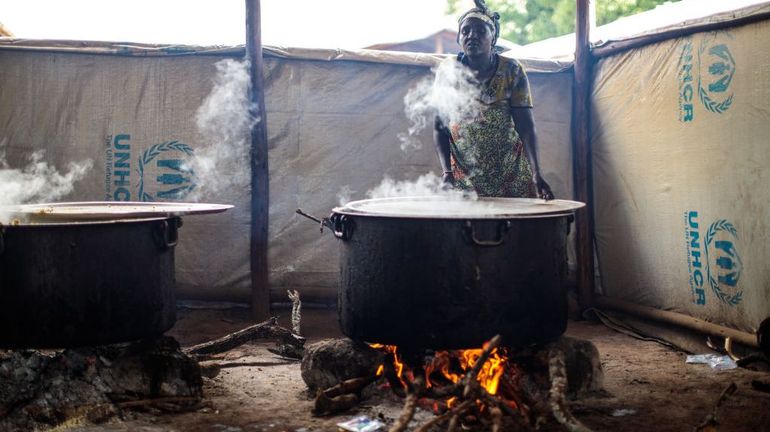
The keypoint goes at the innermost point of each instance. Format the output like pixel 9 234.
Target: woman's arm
pixel 441 140
pixel 525 126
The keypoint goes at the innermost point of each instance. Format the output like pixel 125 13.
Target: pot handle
pixel 342 226
pixel 502 227
pixel 167 233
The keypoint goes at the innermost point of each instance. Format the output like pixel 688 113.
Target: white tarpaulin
pixel 681 164
pixel 335 119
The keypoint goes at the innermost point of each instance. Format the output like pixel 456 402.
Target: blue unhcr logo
pixel 713 260
pixel 117 167
pixel 715 73
pixel 684 75
pixel 714 81
pixel 725 265
pixel 173 178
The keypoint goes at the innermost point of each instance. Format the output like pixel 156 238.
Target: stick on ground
pixel 265 330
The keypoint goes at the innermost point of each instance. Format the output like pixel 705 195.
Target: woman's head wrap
pixel 482 12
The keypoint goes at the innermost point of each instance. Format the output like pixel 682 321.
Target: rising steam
pixel 426 185
pixel 37 182
pixel 449 94
pixel 225 121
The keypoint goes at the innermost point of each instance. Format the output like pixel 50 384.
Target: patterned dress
pixel 486 153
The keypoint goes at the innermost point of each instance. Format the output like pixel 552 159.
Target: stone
pixel 331 361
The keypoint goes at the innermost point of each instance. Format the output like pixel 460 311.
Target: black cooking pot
pixel 442 274
pixel 86 283
pixel 75 274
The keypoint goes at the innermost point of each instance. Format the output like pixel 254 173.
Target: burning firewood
pixel 451 413
pixel 490 388
pixel 413 392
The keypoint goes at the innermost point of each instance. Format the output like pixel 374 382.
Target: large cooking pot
pixel 75 274
pixel 430 272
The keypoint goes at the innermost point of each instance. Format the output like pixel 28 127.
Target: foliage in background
pixel 526 21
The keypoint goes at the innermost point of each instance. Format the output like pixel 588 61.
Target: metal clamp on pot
pixel 342 225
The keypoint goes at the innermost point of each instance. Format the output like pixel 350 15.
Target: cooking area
pixel 271 238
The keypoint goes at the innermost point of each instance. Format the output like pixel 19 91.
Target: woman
pixel 494 153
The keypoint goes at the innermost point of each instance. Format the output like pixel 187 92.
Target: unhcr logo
pixel 725 264
pixel 163 173
pixel 716 75
pixel 713 259
pixel 715 72
pixel 686 91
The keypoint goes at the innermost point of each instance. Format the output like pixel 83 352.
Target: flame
pixel 397 362
pixel 489 374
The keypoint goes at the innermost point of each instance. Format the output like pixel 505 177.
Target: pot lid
pixel 452 208
pixel 107 210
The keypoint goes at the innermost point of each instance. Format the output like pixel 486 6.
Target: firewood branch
pixel 340 397
pixel 470 377
pixel 558 374
pixel 265 330
pixel 413 392
pixel 456 410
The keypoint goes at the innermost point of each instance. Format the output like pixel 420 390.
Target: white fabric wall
pixel 332 125
pixel 681 165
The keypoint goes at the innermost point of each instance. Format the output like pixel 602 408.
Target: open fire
pixel 491 388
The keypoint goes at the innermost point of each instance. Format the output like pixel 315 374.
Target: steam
pixel 426 185
pixel 37 182
pixel 225 121
pixel 449 94
pixel 345 194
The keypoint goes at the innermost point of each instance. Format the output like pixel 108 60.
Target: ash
pixel 75 387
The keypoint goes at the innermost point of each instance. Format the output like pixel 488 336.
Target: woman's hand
pixel 541 188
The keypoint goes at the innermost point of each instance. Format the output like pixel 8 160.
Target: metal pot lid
pixel 109 210
pixel 438 207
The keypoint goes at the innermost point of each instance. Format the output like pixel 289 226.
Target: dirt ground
pixel 649 386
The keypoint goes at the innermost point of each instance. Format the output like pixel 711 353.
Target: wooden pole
pixel 678 319
pixel 260 198
pixel 612 48
pixel 582 162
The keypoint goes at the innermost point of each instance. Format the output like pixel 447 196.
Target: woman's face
pixel 476 37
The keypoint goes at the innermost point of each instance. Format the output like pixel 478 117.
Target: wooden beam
pixel 615 47
pixel 260 191
pixel 582 151
pixel 682 320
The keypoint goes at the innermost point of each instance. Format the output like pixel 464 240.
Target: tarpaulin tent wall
pixel 334 120
pixel 681 163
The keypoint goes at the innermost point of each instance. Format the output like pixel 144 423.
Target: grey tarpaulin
pixel 334 118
